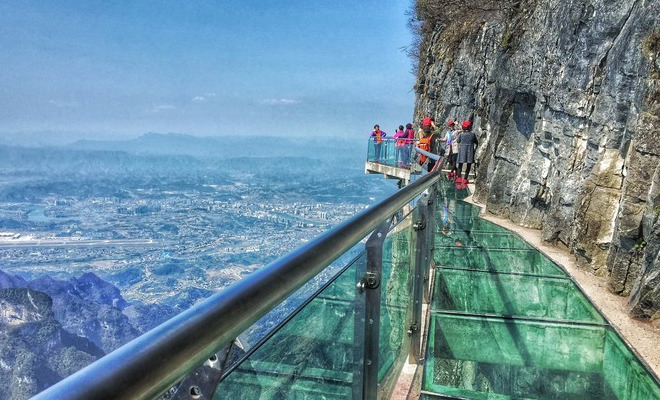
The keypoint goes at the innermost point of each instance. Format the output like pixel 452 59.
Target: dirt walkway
pixel 643 337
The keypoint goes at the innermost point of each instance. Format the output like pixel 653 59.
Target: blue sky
pixel 122 68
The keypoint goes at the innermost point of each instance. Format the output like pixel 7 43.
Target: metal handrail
pixel 430 155
pixel 152 363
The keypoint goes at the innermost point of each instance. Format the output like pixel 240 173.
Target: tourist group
pixel 458 144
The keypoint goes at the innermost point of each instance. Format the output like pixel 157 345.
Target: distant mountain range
pixel 210 146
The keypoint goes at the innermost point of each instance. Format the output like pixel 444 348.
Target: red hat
pixel 467 125
pixel 451 123
pixel 426 121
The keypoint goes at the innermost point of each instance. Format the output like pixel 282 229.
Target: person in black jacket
pixel 467 145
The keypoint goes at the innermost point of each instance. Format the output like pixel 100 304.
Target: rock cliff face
pixel 89 307
pixel 50 328
pixel 565 99
pixel 35 351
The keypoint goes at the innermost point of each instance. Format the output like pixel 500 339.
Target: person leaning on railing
pixel 378 136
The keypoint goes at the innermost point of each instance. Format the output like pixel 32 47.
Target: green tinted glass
pixel 310 357
pixel 512 295
pixel 396 305
pixel 508 323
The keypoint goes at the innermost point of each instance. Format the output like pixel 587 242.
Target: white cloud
pixel 162 108
pixel 63 104
pixel 277 102
pixel 202 98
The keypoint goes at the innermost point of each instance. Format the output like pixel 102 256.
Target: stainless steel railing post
pixel 371 286
pixel 420 227
pixel 430 244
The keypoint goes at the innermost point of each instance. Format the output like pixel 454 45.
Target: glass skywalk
pixel 508 323
pixel 505 322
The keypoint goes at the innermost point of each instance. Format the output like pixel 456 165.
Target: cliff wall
pixel 565 99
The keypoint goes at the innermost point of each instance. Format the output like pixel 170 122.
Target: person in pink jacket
pixel 399 145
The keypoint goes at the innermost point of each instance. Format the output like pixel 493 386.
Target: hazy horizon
pixel 50 138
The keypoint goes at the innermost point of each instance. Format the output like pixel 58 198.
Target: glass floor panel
pixel 529 261
pixel 481 239
pixel 511 295
pixel 508 323
pixel 459 227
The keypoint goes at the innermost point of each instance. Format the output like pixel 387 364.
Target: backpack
pixel 400 141
pixel 424 144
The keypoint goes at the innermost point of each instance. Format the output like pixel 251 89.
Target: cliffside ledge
pixel 564 96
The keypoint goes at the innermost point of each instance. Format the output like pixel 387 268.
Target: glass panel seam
pixel 520 318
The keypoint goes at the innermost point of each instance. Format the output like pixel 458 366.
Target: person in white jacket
pixel 451 147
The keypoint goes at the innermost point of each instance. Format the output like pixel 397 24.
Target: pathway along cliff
pixel 564 96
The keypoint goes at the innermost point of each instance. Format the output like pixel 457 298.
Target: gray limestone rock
pixel 565 99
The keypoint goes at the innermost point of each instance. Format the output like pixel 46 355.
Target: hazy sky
pixel 204 67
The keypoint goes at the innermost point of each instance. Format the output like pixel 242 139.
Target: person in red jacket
pixel 428 142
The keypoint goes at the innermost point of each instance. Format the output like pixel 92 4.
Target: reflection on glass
pixel 396 305
pixel 312 356
pixel 256 333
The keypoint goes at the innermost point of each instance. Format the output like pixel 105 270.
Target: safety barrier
pixel 183 357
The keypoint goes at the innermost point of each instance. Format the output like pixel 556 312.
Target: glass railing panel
pixel 407 153
pixel 501 260
pixel 383 152
pixel 389 152
pixel 313 355
pixel 255 334
pixel 392 152
pixel 396 305
pixel 485 357
pixel 372 150
pixel 514 295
